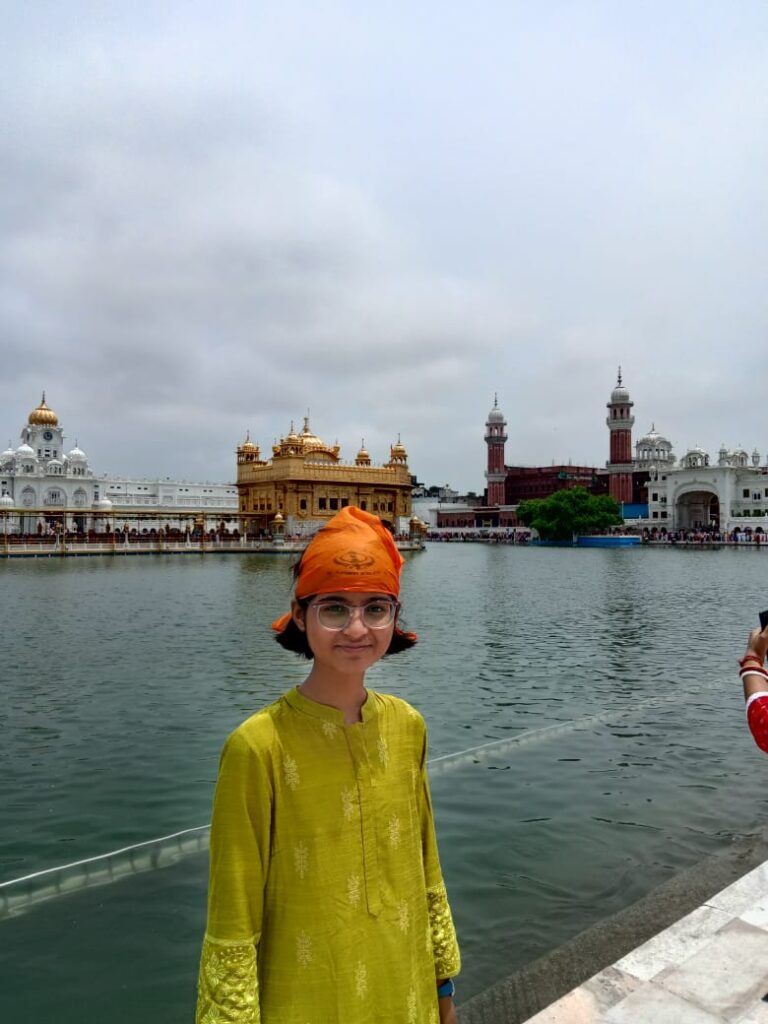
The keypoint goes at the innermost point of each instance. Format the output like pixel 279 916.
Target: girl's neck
pixel 345 692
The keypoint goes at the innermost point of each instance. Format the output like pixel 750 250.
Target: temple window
pixel 302 504
pixel 344 502
pixel 364 504
pixel 321 504
pixel 334 503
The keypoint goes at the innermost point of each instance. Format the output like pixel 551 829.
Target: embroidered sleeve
pixel 444 944
pixel 239 855
pixel 442 932
pixel 757 719
pixel 228 988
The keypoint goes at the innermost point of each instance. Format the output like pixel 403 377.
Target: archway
pixel 698 510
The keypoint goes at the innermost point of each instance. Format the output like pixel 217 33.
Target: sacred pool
pixel 587 745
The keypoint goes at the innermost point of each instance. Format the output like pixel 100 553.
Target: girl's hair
pixel 294 639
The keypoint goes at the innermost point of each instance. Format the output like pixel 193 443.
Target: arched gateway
pixel 697 509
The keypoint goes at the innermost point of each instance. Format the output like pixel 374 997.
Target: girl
pixel 326 903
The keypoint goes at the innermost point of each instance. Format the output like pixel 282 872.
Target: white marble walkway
pixel 710 967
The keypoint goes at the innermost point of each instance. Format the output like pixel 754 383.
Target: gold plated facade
pixel 306 482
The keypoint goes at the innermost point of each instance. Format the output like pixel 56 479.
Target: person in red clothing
pixel 755 679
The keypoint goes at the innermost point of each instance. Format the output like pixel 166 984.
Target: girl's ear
pixel 299 615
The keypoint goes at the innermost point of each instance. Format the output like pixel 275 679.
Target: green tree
pixel 569 512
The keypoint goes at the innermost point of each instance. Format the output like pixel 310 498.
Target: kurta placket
pixel 360 738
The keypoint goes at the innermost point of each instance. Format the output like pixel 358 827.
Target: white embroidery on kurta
pixel 303 949
pixel 329 728
pixel 412 1019
pixel 301 860
pixel 403 916
pixel 348 803
pixel 353 890
pixel 212 1016
pixel 291 772
pixel 383 751
pixel 361 980
pixel 394 831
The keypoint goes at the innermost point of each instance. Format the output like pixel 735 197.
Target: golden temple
pixel 306 482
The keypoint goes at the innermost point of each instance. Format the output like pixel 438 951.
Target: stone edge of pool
pixel 591 975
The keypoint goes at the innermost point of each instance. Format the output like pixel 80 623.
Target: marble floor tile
pixel 650 1004
pixel 611 986
pixel 585 1005
pixel 675 944
pixel 744 893
pixel 727 976
pixel 757 1014
pixel 757 914
pixel 578 1007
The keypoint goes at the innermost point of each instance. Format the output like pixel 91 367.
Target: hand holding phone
pixel 763 620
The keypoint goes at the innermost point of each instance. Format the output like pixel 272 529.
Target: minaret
pixel 620 422
pixel 495 438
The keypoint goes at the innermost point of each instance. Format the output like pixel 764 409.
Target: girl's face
pixel 360 641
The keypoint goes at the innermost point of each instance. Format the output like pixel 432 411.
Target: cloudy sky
pixel 214 217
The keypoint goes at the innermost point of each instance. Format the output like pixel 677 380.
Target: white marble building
pixel 39 475
pixel 695 491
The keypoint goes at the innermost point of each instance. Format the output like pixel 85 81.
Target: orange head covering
pixel 353 552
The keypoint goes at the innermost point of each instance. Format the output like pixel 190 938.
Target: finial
pixel 398 437
pixel 306 423
pixel 618 382
pixel 291 430
pixel 43 401
pixel 495 400
pixel 362 442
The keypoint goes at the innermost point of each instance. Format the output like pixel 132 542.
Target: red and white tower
pixel 495 438
pixel 620 422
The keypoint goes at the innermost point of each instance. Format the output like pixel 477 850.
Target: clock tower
pixel 44 435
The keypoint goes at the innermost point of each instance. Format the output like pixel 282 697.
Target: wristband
pixel 446 989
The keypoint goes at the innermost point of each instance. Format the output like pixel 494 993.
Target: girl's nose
pixel 356 626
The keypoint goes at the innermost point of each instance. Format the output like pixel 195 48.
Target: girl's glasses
pixel 376 614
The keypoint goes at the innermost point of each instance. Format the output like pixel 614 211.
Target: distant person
pixel 326 902
pixel 755 679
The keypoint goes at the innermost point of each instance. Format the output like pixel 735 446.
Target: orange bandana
pixel 354 552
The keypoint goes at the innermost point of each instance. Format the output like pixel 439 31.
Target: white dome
pixel 25 452
pixel 6 500
pixel 103 503
pixel 654 439
pixel 496 415
pixel 8 453
pixel 619 394
pixel 77 455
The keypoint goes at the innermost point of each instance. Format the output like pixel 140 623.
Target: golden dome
pixel 248 445
pixel 43 416
pixel 309 440
pixel 397 451
pixel 363 458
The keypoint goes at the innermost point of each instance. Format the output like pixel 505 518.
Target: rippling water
pixel 120 679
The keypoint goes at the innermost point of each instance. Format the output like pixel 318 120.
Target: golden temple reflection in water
pixel 306 481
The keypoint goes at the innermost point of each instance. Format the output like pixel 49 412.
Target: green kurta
pixel 326 902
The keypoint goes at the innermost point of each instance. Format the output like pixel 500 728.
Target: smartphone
pixel 763 619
